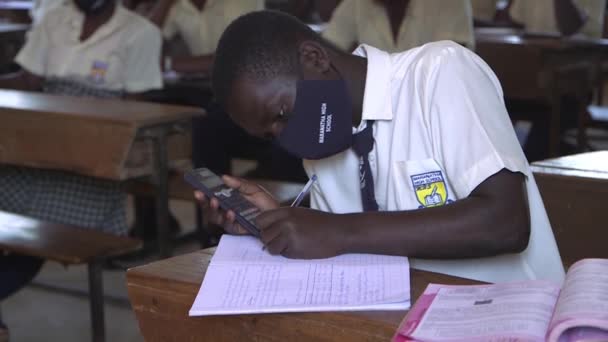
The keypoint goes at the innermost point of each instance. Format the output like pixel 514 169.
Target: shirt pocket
pixel 420 184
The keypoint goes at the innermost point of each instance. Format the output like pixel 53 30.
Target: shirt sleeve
pixel 517 11
pixel 469 126
pixel 595 10
pixel 34 54
pixel 342 27
pixel 170 27
pixel 143 61
pixel 458 22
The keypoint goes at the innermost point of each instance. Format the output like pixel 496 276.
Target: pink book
pixel 514 312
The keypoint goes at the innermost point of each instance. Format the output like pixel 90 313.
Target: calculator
pixel 229 199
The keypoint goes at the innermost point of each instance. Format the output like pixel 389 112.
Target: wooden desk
pixel 91 137
pixel 574 190
pixel 542 69
pixel 161 294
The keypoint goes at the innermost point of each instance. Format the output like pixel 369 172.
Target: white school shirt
pixel 484 9
pixel 367 22
pixel 41 7
pixel 441 128
pixel 122 55
pixel 201 30
pixel 539 16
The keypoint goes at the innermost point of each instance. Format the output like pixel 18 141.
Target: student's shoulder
pixel 138 26
pixel 57 15
pixel 434 56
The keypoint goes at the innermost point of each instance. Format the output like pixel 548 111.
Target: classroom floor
pixel 41 312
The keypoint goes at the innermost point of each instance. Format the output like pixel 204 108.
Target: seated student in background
pixel 484 12
pixel 560 16
pixel 200 24
pixel 396 26
pixel 420 158
pixel 556 17
pixel 86 48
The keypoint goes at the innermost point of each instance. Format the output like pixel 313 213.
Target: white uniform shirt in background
pixel 539 16
pixel 441 128
pixel 484 9
pixel 123 54
pixel 41 7
pixel 201 30
pixel 367 22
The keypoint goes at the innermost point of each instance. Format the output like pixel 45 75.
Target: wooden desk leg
pixel 96 301
pixel 160 177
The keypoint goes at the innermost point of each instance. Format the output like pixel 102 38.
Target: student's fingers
pixel 271 233
pixel 231 226
pixel 201 198
pixel 278 245
pixel 266 219
pixel 243 186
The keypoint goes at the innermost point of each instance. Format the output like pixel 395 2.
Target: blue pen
pixel 304 192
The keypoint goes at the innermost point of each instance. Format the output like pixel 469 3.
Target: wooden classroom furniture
pixel 543 69
pixel 574 190
pixel 94 137
pixel 161 294
pixel 68 245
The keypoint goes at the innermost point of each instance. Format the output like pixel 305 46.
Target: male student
pixel 414 153
pixel 85 48
pixel 395 26
pixel 199 23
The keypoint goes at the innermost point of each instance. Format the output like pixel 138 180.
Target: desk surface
pixel 16 5
pixel 162 292
pixel 545 41
pixel 91 137
pixel 586 165
pixel 135 113
pixel 10 28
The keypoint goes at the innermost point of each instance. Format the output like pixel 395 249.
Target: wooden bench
pixel 68 245
pixel 574 190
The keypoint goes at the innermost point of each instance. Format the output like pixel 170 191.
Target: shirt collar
pixel 377 97
pixel 119 18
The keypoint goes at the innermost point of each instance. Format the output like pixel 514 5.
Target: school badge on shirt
pixel 98 71
pixel 430 188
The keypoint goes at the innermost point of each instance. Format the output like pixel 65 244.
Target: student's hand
pixel 300 233
pixel 226 219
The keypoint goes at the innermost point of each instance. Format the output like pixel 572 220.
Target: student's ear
pixel 314 60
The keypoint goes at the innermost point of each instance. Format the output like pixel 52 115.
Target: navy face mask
pixel 321 123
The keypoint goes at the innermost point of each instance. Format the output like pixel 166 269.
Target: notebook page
pixel 242 278
pixel 583 300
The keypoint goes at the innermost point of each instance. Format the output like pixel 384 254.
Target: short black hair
pixel 261 45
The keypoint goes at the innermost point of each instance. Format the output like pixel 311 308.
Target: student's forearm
pixel 472 227
pixel 160 11
pixel 193 64
pixel 569 17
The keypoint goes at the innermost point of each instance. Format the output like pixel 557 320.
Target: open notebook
pixel 525 311
pixel 244 279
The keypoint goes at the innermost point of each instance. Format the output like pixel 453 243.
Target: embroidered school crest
pixel 98 71
pixel 430 188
